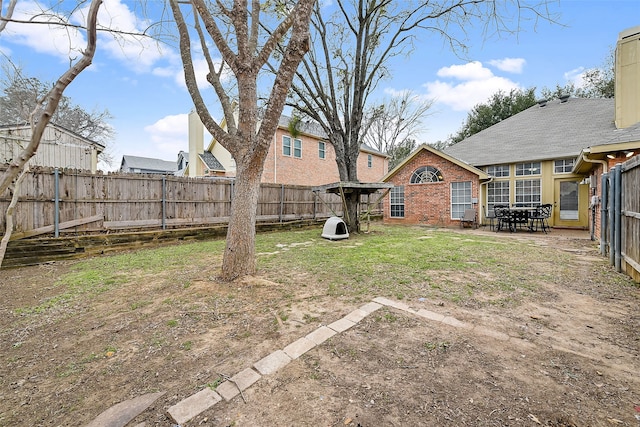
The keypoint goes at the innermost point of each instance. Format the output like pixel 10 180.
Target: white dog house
pixel 335 229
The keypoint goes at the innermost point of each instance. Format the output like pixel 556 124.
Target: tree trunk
pixel 239 253
pixel 9 215
pixel 352 216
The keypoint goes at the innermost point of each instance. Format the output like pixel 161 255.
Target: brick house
pixel 554 152
pixel 304 159
pixel 431 188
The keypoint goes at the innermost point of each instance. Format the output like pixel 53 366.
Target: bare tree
pixel 351 51
pixel 236 31
pixel 46 108
pixel 19 96
pixel 4 19
pixel 393 126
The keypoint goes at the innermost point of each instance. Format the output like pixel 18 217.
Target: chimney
pixel 627 84
pixel 196 144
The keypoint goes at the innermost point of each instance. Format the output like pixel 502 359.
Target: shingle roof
pixel 307 127
pixel 211 161
pixel 619 136
pixel 557 130
pixel 147 163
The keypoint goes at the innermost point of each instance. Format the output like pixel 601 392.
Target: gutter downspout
pixel 605 167
pixel 481 199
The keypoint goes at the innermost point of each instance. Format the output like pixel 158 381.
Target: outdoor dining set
pixel 513 218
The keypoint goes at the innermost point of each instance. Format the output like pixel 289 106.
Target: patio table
pixel 515 216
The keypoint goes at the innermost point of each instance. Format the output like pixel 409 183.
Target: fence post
pixel 610 215
pixel 56 203
pixel 315 203
pixel 604 206
pixel 617 218
pixel 164 202
pixel 281 202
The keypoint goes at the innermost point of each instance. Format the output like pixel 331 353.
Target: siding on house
pixel 59 148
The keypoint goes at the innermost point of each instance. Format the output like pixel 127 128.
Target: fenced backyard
pixel 93 209
pixel 69 201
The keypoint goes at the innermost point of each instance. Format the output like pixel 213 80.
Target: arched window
pixel 426 174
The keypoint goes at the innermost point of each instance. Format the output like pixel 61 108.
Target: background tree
pixel 41 115
pixel 237 32
pixel 500 106
pixel 596 83
pixel 351 51
pixel 19 97
pixel 392 126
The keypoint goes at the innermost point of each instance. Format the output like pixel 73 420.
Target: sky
pixel 141 83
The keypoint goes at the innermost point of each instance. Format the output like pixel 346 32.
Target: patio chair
pixel 490 216
pixel 503 217
pixel 540 218
pixel 470 217
pixel 519 219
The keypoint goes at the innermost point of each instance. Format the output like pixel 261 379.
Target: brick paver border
pixel 197 403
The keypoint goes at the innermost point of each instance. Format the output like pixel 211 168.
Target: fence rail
pixel 620 210
pixel 59 202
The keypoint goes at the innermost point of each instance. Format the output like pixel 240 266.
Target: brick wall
pixel 429 203
pixel 310 169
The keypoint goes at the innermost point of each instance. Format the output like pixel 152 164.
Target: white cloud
pixel 138 53
pixel 54 40
pixel 509 65
pixel 469 71
pixel 475 85
pixel 169 135
pixel 576 76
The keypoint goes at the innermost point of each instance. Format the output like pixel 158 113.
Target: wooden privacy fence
pixel 58 202
pixel 620 217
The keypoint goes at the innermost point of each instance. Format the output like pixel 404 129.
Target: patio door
pixel 570 208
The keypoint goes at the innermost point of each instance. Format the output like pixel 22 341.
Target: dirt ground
pixel 573 358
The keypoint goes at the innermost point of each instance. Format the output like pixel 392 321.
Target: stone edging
pixel 199 402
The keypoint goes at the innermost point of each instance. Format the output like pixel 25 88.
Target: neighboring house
pixel 147 165
pixel 544 154
pixel 59 147
pixel 306 159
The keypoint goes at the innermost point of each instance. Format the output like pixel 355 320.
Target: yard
pixel 79 337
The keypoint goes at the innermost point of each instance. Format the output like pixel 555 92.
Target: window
pixel 426 174
pixel 287 149
pixel 497 194
pixel 563 166
pixel 498 170
pixel 528 192
pixel 397 202
pixel 369 161
pixel 523 169
pixel 286 145
pixel 322 150
pixel 297 148
pixel 460 198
